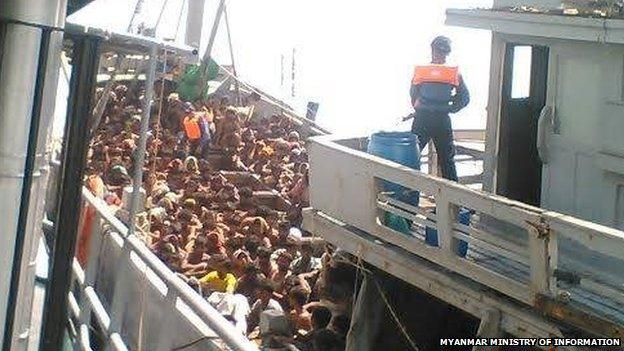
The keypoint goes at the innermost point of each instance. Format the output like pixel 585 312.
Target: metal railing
pixel 140 281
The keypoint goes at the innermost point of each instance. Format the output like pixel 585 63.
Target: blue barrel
pixel 402 148
pixel 431 234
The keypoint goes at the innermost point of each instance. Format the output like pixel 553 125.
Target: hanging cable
pixel 175 37
pixel 137 9
pixel 162 10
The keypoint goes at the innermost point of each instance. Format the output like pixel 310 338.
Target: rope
pixel 192 343
pixel 278 102
pixel 175 36
pixel 360 268
pixel 137 9
pixel 162 10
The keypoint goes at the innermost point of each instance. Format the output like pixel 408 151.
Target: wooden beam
pixel 490 327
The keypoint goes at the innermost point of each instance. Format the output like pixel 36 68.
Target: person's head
pixel 298 296
pixel 264 255
pixel 252 243
pixel 283 261
pixel 327 340
pixel 440 49
pixel 264 289
pixel 221 264
pixel 321 316
pixel 306 250
pixel 283 228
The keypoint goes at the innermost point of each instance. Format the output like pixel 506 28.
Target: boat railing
pixel 148 306
pixel 515 249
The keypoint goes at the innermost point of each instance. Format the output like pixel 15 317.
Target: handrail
pixel 353 178
pixel 176 288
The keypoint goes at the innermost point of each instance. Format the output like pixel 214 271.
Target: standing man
pixel 437 90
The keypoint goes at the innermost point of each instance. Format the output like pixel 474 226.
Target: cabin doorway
pixel 525 76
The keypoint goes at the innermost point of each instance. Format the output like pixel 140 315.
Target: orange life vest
pixel 436 74
pixel 191 127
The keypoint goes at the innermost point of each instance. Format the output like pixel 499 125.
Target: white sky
pixel 354 57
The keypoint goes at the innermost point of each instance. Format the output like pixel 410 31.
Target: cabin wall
pixel 585 176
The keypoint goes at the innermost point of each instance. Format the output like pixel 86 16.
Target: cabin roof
pixel 540 24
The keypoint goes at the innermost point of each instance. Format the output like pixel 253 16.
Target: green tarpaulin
pixel 189 85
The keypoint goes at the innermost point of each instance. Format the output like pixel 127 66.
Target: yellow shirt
pixel 211 281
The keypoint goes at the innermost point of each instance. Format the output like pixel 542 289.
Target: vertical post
pixel 543 259
pixel 194 23
pixel 139 152
pixel 445 217
pixel 490 327
pixel 82 85
pixel 282 71
pixel 292 77
pixel 27 185
pixel 207 55
pixel 123 264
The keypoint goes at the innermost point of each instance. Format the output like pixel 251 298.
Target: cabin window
pixel 521 76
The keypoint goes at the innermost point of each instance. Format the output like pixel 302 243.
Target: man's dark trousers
pixel 436 125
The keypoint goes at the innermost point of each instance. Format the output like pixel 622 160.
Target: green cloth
pixel 397 223
pixel 189 85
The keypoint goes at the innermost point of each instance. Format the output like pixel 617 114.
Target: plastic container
pixel 431 234
pixel 402 148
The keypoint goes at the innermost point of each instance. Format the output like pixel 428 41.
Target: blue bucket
pixel 431 234
pixel 402 148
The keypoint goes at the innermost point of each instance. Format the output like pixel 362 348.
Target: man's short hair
pixel 321 316
pixel 299 294
pixel 265 284
pixel 442 43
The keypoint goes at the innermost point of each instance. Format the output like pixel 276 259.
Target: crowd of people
pixel 209 167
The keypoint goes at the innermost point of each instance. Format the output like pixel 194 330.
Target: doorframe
pixel 495 98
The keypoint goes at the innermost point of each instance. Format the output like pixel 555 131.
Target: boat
pixel 544 231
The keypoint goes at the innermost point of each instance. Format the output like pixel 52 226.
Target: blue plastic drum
pixel 402 148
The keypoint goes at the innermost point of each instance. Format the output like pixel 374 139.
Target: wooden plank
pixel 596 237
pixel 407 215
pixel 476 242
pixel 539 262
pixel 521 252
pixel 451 261
pixel 421 210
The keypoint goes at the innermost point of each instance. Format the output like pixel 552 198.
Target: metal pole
pixel 194 23
pixel 24 208
pixel 292 77
pixel 236 84
pixel 82 86
pixel 213 32
pixel 139 154
pixel 206 59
